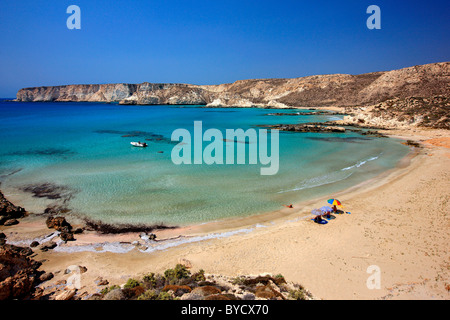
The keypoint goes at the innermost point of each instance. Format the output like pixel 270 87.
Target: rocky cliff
pixel 338 90
pixel 431 112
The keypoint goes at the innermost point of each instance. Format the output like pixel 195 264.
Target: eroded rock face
pixel 9 211
pixel 18 273
pixel 430 112
pixel 314 91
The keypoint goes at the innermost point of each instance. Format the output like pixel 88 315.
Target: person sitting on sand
pixel 318 219
pixel 289 206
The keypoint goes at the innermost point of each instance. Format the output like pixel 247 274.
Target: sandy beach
pixel 399 222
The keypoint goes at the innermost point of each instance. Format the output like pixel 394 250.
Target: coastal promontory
pixel 337 90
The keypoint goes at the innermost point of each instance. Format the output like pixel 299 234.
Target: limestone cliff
pixel 338 90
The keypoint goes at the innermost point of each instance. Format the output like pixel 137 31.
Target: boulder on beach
pixel 18 273
pixel 58 223
pixel 9 211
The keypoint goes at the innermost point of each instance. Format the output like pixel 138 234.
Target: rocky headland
pixel 339 90
pixel 412 112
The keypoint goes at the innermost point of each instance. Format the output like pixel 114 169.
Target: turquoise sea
pixel 83 151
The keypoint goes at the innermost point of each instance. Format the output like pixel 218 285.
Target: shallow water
pixel 84 149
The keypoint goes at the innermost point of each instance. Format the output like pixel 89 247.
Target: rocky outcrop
pixel 431 112
pixel 60 224
pixel 308 127
pixel 9 212
pixel 18 273
pixel 314 91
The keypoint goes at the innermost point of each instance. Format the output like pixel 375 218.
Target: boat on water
pixel 139 144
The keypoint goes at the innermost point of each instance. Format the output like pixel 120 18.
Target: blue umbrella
pixel 317 212
pixel 326 209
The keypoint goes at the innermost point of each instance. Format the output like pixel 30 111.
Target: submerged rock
pixel 316 128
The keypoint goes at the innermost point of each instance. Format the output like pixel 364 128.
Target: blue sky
pixel 212 42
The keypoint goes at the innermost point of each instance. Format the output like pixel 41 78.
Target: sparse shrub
pixel 132 293
pixel 131 283
pixel 108 289
pixel 164 296
pixel 173 276
pixel 298 294
pixel 199 276
pixel 150 280
pixel 148 295
pixel 238 280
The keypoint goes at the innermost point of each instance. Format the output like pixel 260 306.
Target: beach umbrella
pixel 334 202
pixel 326 209
pixel 317 212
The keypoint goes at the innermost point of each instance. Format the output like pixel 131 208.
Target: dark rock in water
pixel 145 135
pixel 313 127
pixel 106 228
pixel 303 113
pixel 57 209
pixel 376 134
pixel 340 139
pixel 44 152
pixel 49 191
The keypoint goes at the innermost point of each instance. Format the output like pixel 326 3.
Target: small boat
pixel 139 144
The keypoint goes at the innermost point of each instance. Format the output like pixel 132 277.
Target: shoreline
pixel 217 253
pixel 223 225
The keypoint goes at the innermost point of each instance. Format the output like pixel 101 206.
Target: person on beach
pixel 289 206
pixel 318 219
